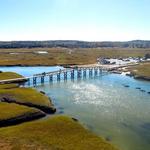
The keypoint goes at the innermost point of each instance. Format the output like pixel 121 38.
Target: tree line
pixel 74 44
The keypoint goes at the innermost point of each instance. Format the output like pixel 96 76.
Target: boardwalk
pixel 16 80
pixel 78 72
pixel 66 73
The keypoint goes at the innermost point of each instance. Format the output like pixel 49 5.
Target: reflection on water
pixel 106 106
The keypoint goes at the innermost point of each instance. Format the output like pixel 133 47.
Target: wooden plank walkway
pixel 52 72
pixel 16 80
pixel 79 70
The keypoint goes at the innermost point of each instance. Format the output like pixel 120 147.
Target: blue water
pixel 105 106
pixel 29 71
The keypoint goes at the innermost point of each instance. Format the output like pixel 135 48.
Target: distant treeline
pixel 74 44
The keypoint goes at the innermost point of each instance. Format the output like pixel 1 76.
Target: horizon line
pixel 71 40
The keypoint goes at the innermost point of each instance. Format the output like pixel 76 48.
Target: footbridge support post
pixel 58 77
pixel 65 75
pixel 79 73
pixel 50 78
pixel 72 74
pixel 42 79
pixel 34 80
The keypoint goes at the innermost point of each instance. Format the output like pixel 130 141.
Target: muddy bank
pixel 141 77
pixel 46 109
pixel 22 118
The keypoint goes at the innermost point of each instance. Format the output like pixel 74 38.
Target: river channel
pixel 113 106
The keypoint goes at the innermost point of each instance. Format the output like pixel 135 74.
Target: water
pixel 105 106
pixel 29 71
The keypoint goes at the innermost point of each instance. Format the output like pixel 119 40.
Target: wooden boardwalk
pixel 70 72
pixel 16 80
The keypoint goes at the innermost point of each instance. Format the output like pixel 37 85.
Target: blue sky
pixel 91 20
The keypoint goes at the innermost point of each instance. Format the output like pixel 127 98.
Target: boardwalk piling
pixel 95 71
pixel 84 73
pixel 72 75
pixel 28 81
pixel 34 80
pixel 42 79
pixel 79 73
pixel 58 77
pixel 65 75
pixel 100 71
pixel 90 72
pixel 51 78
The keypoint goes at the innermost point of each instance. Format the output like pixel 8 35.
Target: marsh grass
pixel 9 75
pixel 26 95
pixel 56 132
pixel 143 69
pixel 9 111
pixel 12 93
pixel 8 86
pixel 63 56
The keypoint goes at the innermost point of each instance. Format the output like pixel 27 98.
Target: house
pixel 103 61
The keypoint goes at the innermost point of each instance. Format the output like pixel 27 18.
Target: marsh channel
pixel 116 107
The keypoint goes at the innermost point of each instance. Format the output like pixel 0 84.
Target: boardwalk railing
pixel 16 80
pixel 65 74
pixel 72 73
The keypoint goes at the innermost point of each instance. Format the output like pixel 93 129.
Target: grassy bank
pixel 12 93
pixel 13 110
pixel 20 105
pixel 8 86
pixel 57 132
pixel 63 56
pixel 28 97
pixel 9 75
pixel 12 114
pixel 141 71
